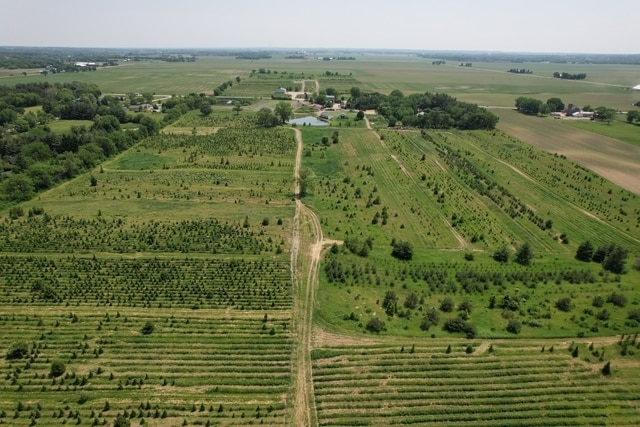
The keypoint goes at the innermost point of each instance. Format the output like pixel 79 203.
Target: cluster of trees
pixel 177 106
pixel 282 112
pixel 534 106
pixel 428 110
pixel 34 158
pixel 569 76
pixel 633 117
pixel 520 71
pixel 612 256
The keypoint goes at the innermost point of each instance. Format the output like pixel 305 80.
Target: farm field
pixel 220 273
pixel 616 160
pixel 165 289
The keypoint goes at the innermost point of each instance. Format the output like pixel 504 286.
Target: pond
pixel 308 121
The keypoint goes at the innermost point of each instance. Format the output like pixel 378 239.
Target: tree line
pixel 426 111
pixel 569 76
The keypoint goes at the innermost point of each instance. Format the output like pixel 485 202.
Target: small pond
pixel 308 121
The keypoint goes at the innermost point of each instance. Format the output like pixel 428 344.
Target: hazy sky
pixel 496 25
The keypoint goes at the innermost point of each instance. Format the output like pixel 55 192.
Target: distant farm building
pixel 636 87
pixel 281 90
pixel 141 107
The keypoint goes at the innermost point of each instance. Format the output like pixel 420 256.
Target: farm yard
pixel 218 272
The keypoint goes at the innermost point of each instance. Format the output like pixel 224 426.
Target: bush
pixel 564 304
pixel 57 369
pixel 524 254
pixel 514 326
pixel 465 306
pixel 447 305
pixel 402 250
pixel 585 252
pixel 15 212
pixel 460 325
pixel 617 299
pixel 147 328
pixel 634 315
pixel 375 325
pixel 121 421
pixel 18 350
pixel 502 254
pixel 615 259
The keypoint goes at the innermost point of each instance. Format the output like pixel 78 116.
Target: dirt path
pixel 304 295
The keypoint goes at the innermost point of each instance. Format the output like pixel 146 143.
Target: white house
pixel 636 87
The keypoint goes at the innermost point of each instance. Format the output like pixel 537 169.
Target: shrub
pixel 617 299
pixel 502 254
pixel 402 250
pixel 524 254
pixel 411 301
pixel 390 303
pixel 447 305
pixel 121 421
pixel 465 306
pixel 615 259
pixel 147 328
pixel 598 301
pixel 585 252
pixel 16 212
pixel 514 326
pixel 564 304
pixel 634 315
pixel 375 325
pixel 460 325
pixel 18 350
pixel 606 369
pixel 57 369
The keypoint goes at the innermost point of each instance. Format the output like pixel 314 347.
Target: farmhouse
pixel 141 107
pixel 280 90
pixel 636 87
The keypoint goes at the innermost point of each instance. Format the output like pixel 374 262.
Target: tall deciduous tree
pixel 283 111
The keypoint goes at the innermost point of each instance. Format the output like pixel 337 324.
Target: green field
pixel 186 285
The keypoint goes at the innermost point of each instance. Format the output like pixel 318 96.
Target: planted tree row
pixel 178 282
pixel 440 384
pixel 91 368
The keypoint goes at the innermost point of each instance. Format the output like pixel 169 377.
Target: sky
pixel 585 26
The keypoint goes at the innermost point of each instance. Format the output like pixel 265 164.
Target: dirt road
pixel 304 294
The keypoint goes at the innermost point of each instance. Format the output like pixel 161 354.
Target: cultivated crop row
pixel 146 282
pixel 44 233
pixel 429 383
pixel 87 367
